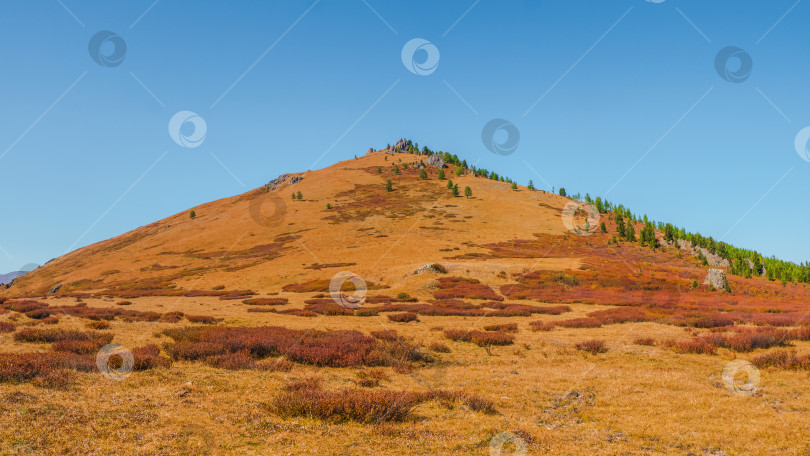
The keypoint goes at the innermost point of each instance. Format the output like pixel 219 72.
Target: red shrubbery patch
pixel 782 359
pixel 50 369
pixel 404 317
pixel 743 340
pixel 480 338
pixel 594 346
pixel 204 319
pixel 459 287
pixel 579 323
pixel 266 301
pixel 321 348
pixel 6 327
pixel 503 327
pixel 61 335
pixel 307 398
pixel 148 357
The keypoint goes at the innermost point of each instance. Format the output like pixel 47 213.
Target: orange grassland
pixel 556 399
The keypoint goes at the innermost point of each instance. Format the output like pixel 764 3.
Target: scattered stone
pixel 433 267
pixel 276 183
pixel 55 289
pixel 717 279
pixel 435 160
pixel 370 150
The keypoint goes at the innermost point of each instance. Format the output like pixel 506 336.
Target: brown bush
pixel 480 338
pixel 49 369
pixel 204 319
pixel 321 348
pixel 123 303
pixel 594 346
pixel 503 327
pixel 782 359
pixel 266 301
pixel 232 361
pixel 404 317
pixel 59 335
pixel 439 347
pixel 24 306
pixel 459 287
pixel 101 324
pixel 541 325
pixel 365 313
pixel 81 347
pixel 648 341
pixel 148 357
pixel 579 323
pixel 49 321
pixel 172 317
pixel 307 399
pixel 326 306
pixel 385 334
pixel 6 327
pixel 38 314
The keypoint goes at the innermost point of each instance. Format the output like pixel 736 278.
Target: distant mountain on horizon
pixel 9 276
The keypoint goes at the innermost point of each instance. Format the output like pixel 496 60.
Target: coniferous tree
pixel 423 174
pixel 449 184
pixel 467 191
pixel 388 186
pixel 441 174
pixel 562 192
pixel 531 185
pixel 455 190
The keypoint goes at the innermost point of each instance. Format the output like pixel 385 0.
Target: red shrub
pixel 621 315
pixel 503 327
pixel 6 327
pixel 204 319
pixel 24 306
pixel 38 314
pixel 265 301
pixel 44 369
pixel 148 357
pixel 59 335
pixel 541 325
pixel 327 307
pixel 172 317
pixel 98 325
pixel 123 303
pixel 579 323
pixel 81 347
pixel 594 346
pixel 648 341
pixel 321 348
pixel 365 313
pixel 49 321
pixel 404 317
pixel 782 359
pixel 458 287
pixel 439 347
pixel 385 334
pixel 480 338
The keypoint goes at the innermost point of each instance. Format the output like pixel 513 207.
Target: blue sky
pixel 616 98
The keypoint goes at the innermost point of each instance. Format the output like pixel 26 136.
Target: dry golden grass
pixel 631 400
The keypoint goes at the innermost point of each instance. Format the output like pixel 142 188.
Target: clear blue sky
pixel 86 151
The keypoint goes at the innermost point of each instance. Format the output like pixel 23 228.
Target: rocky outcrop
pixel 277 182
pixel 400 146
pixel 713 260
pixel 717 279
pixel 434 267
pixel 370 150
pixel 435 160
pixel 55 289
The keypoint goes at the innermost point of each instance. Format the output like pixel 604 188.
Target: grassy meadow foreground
pixel 488 327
